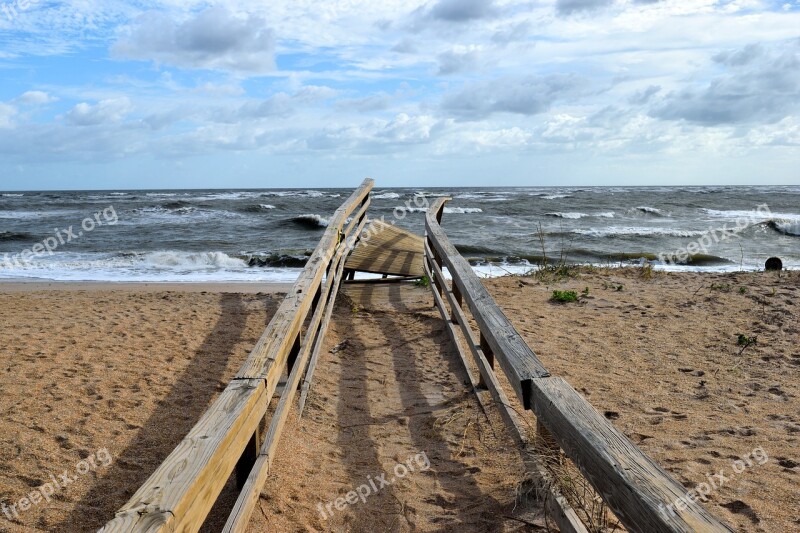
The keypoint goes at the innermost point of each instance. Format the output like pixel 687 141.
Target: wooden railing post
pixel 459 300
pixel 293 354
pixel 489 354
pixel 248 458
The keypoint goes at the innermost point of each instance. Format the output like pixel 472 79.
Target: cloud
pixel 759 86
pixel 456 60
pixel 511 33
pixel 35 98
pixel 104 112
pixel 444 13
pixel 462 10
pixel 529 95
pixel 644 96
pixel 378 136
pixel 7 113
pixel 212 39
pixel 568 7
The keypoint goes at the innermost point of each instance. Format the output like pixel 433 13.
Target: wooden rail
pixel 639 492
pixel 180 493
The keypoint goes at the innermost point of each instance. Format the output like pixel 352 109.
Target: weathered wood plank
pixel 387 249
pixel 518 361
pixel 640 492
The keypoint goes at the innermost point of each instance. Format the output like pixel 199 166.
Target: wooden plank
pixel 182 490
pixel 387 249
pixel 640 492
pixel 518 361
pixel 248 498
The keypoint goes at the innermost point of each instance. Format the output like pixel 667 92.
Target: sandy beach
pixel 102 381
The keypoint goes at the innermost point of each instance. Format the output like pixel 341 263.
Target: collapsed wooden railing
pixel 180 493
pixel 639 492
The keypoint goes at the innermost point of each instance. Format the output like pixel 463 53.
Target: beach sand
pixel 130 369
pixel 659 357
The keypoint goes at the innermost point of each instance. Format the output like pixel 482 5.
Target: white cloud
pixel 103 112
pixel 759 84
pixel 212 39
pixel 7 113
pixel 524 95
pixel 35 98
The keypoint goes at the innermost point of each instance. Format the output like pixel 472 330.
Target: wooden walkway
pixel 502 370
pixel 387 249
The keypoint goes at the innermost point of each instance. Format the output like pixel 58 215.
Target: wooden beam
pixel 519 362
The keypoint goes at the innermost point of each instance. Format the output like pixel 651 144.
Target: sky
pixel 106 94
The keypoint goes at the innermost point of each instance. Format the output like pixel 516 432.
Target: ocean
pixel 266 235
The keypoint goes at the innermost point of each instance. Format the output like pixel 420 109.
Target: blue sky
pixel 110 95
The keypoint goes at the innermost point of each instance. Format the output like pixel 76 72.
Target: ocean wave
pixel 386 196
pixel 614 231
pixel 174 208
pixel 463 210
pixel 279 260
pixel 575 215
pixel 11 195
pixel 452 210
pixel 257 208
pixel 432 194
pixel 650 211
pixel 310 221
pixel 553 196
pixel 38 214
pixel 785 227
pixel 156 266
pixel 13 236
pixel 191 260
pixel 310 193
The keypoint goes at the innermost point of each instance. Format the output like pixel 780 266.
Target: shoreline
pixel 485 272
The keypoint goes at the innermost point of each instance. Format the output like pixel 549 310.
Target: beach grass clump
pixel 722 287
pixel 745 341
pixel 424 281
pixel 564 296
pixel 646 271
